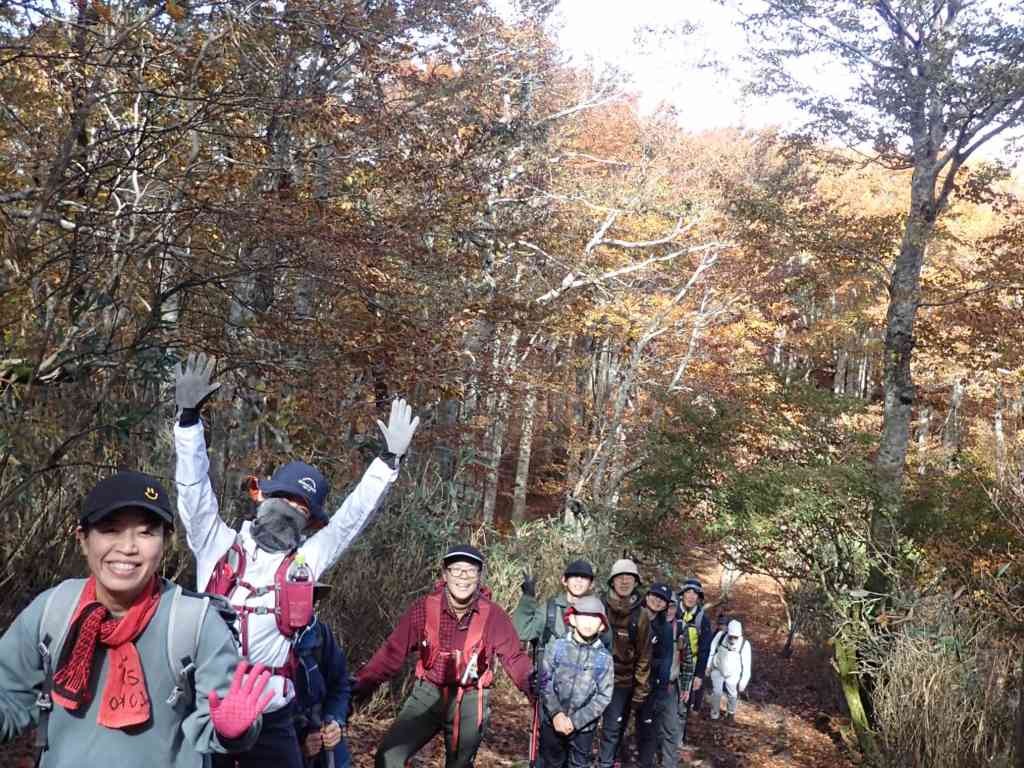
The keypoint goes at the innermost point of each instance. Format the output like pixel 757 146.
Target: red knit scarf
pixel 125 701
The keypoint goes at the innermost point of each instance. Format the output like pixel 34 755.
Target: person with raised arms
pixel 268 568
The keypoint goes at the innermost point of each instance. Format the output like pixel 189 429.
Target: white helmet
pixel 735 629
pixel 625 565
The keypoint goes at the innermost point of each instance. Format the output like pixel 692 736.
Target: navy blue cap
pixel 126 490
pixel 297 478
pixel 664 591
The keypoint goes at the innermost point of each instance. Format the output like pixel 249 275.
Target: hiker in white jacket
pixel 268 568
pixel 729 668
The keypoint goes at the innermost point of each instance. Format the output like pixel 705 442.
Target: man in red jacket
pixel 460 633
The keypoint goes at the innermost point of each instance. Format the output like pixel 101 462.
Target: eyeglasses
pixel 463 573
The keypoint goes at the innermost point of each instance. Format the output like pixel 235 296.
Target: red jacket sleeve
pixel 506 646
pixel 390 657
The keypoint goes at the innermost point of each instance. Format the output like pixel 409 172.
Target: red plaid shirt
pixel 500 639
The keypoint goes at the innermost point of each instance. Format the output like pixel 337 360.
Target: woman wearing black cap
pixel 97 663
pixel 539 622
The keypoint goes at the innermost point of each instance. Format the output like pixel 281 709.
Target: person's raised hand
pixel 400 427
pixel 245 701
pixel 192 386
pixel 529 585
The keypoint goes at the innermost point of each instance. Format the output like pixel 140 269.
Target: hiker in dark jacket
pixel 662 650
pixel 538 621
pixel 322 695
pixel 700 634
pixel 578 674
pixel 630 630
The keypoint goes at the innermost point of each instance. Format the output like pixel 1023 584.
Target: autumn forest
pixel 796 355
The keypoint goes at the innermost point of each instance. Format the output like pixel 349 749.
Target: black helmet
pixel 579 568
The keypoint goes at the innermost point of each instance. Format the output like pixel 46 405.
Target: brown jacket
pixel 632 655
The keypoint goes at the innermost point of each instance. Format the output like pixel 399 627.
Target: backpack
pixel 694 625
pixel 552 623
pixel 716 644
pixel 188 611
pixel 293 601
pixel 470 662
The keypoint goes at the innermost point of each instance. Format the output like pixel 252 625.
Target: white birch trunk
pixel 999 435
pixel 923 429
pixel 522 481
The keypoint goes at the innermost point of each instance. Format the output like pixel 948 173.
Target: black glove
pixel 192 387
pixel 529 585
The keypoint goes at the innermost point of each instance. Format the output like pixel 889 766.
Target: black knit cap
pixel 463 553
pixel 126 490
pixel 579 568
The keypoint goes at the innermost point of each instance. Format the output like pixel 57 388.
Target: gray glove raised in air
pixel 401 426
pixel 192 386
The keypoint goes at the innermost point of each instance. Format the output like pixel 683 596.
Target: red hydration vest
pixel 469 660
pixel 293 601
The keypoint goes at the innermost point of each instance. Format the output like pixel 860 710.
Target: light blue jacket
pixel 174 737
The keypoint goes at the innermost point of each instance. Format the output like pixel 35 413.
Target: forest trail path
pixel 789 719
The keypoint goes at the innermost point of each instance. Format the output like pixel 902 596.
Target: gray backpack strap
pixel 53 630
pixel 186 623
pixel 57 610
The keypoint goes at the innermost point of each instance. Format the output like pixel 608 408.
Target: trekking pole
pixel 535 726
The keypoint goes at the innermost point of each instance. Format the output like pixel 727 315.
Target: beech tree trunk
pixel 923 429
pixel 999 435
pixel 951 431
pixel 897 377
pixel 505 368
pixel 522 481
pixel 839 378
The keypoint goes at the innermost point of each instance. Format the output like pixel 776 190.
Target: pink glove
pixel 233 716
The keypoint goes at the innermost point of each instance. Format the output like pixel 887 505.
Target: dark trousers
pixel 558 751
pixel 277 746
pixel 697 697
pixel 669 731
pixel 613 726
pixel 427 712
pixel 647 726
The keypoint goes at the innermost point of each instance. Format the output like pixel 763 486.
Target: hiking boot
pixel 730 719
